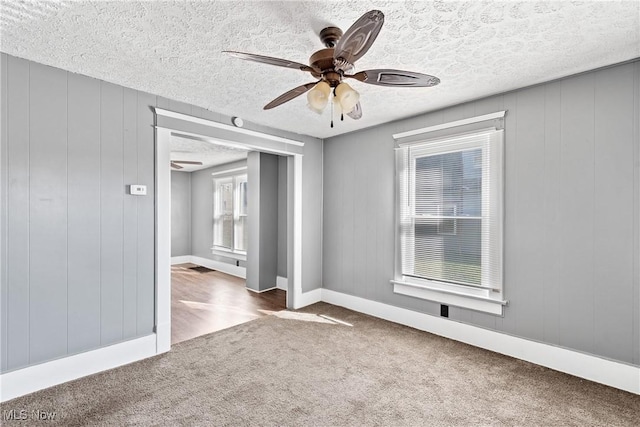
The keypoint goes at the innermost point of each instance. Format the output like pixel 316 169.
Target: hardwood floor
pixel 208 301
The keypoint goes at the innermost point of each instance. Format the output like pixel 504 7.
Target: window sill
pixel 449 297
pixel 229 254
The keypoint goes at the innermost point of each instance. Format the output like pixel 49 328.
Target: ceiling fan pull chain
pixel 342 117
pixel 332 111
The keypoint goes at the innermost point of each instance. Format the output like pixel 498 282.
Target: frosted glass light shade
pixel 347 97
pixel 319 96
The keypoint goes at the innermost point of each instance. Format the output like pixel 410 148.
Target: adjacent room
pixel 320 213
pixel 210 218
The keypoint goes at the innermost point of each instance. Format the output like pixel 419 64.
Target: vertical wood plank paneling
pixel 130 214
pixel 18 279
pixel 4 181
pixel 551 214
pixel 48 213
pixel 111 219
pixel 361 185
pixel 179 107
pixel 84 213
pixel 552 209
pixel 254 182
pixel 202 209
pixel 511 165
pixel 282 215
pixel 210 115
pixel 198 112
pixel 577 214
pixel 636 214
pixel 146 214
pixel 371 204
pixel 312 214
pixel 613 213
pixel 348 217
pixel 488 105
pixel 332 217
pixel 385 213
pixel 180 213
pixel 527 249
pixel 163 103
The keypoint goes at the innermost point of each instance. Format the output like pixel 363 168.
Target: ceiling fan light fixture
pixel 347 97
pixel 336 62
pixel 319 96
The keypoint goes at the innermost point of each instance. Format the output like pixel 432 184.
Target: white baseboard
pixel 608 372
pixel 282 283
pixel 220 266
pixel 261 291
pixel 307 298
pixel 180 259
pixel 37 377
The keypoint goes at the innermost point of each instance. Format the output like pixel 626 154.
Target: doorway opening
pixel 171 124
pixel 205 301
pixel 213 206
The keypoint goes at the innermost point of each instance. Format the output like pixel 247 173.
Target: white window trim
pixel 479 299
pixel 227 176
pixel 241 256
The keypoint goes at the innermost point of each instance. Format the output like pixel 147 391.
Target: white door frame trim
pixel 163 217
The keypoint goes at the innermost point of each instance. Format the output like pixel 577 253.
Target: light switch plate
pixel 138 190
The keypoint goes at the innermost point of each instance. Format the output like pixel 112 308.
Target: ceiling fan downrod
pixel 330 36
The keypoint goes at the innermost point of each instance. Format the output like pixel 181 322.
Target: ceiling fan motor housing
pixel 323 60
pixel 330 36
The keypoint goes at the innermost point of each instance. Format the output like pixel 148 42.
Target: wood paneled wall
pixel 572 213
pixel 79 250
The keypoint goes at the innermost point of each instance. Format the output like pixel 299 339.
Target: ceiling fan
pixel 175 165
pixel 336 62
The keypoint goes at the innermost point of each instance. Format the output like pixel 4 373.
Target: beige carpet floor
pixel 303 369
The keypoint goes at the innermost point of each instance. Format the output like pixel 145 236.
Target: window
pixel 450 220
pixel 230 214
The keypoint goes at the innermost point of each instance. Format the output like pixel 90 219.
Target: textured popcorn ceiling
pixel 200 151
pixel 173 49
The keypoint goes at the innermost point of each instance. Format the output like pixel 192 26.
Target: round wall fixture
pixel 237 122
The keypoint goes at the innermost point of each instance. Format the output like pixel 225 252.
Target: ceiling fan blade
pixel 357 40
pixel 270 60
pixel 288 96
pixel 395 78
pixel 356 113
pixel 176 166
pixel 186 162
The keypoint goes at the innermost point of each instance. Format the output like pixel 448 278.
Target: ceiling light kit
pixel 335 63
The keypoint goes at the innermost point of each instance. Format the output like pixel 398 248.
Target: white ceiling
pixel 173 49
pixel 210 154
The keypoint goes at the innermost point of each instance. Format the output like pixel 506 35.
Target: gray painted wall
pixel 572 213
pixel 282 217
pixel 202 213
pixel 312 222
pixel 262 253
pixel 312 171
pixel 180 213
pixel 77 251
pixel 202 210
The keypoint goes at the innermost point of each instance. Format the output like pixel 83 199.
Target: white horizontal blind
pixel 451 210
pixel 230 213
pixel 223 213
